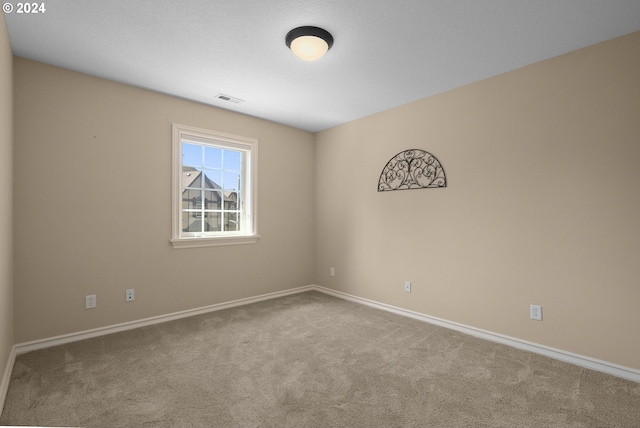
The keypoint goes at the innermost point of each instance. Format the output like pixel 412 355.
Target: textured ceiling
pixel 386 52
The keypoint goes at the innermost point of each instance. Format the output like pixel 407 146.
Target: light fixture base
pixel 309 31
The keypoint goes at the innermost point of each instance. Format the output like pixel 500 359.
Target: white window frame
pixel 249 235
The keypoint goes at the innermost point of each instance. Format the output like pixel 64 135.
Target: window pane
pixel 190 198
pixel 190 177
pixel 212 222
pixel 212 157
pixel 231 180
pixel 190 223
pixel 192 155
pixel 231 201
pixel 213 180
pixel 232 221
pixel 232 160
pixel 213 200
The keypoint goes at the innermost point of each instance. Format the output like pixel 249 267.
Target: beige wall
pixel 542 204
pixel 6 197
pixel 81 135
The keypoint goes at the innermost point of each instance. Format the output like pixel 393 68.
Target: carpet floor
pixel 307 360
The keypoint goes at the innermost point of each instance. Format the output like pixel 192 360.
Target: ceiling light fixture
pixel 309 43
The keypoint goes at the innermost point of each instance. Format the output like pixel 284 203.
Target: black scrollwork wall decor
pixel 412 169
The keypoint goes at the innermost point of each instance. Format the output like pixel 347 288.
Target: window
pixel 214 188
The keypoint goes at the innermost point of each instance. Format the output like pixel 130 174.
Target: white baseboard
pixel 6 377
pixel 34 345
pixel 558 354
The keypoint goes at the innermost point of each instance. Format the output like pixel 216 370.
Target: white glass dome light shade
pixel 309 48
pixel 309 43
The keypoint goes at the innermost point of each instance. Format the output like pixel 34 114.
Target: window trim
pixel 250 145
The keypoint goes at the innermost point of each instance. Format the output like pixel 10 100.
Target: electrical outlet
pixel 536 312
pixel 332 272
pixel 407 286
pixel 130 295
pixel 90 301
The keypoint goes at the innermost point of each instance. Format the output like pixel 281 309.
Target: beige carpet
pixel 307 360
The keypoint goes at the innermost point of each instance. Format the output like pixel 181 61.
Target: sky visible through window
pixel 222 166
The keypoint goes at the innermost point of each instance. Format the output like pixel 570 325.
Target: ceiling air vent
pixel 229 98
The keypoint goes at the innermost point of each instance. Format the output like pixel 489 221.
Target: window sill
pixel 213 242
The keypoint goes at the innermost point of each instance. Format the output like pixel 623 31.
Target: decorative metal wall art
pixel 412 169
